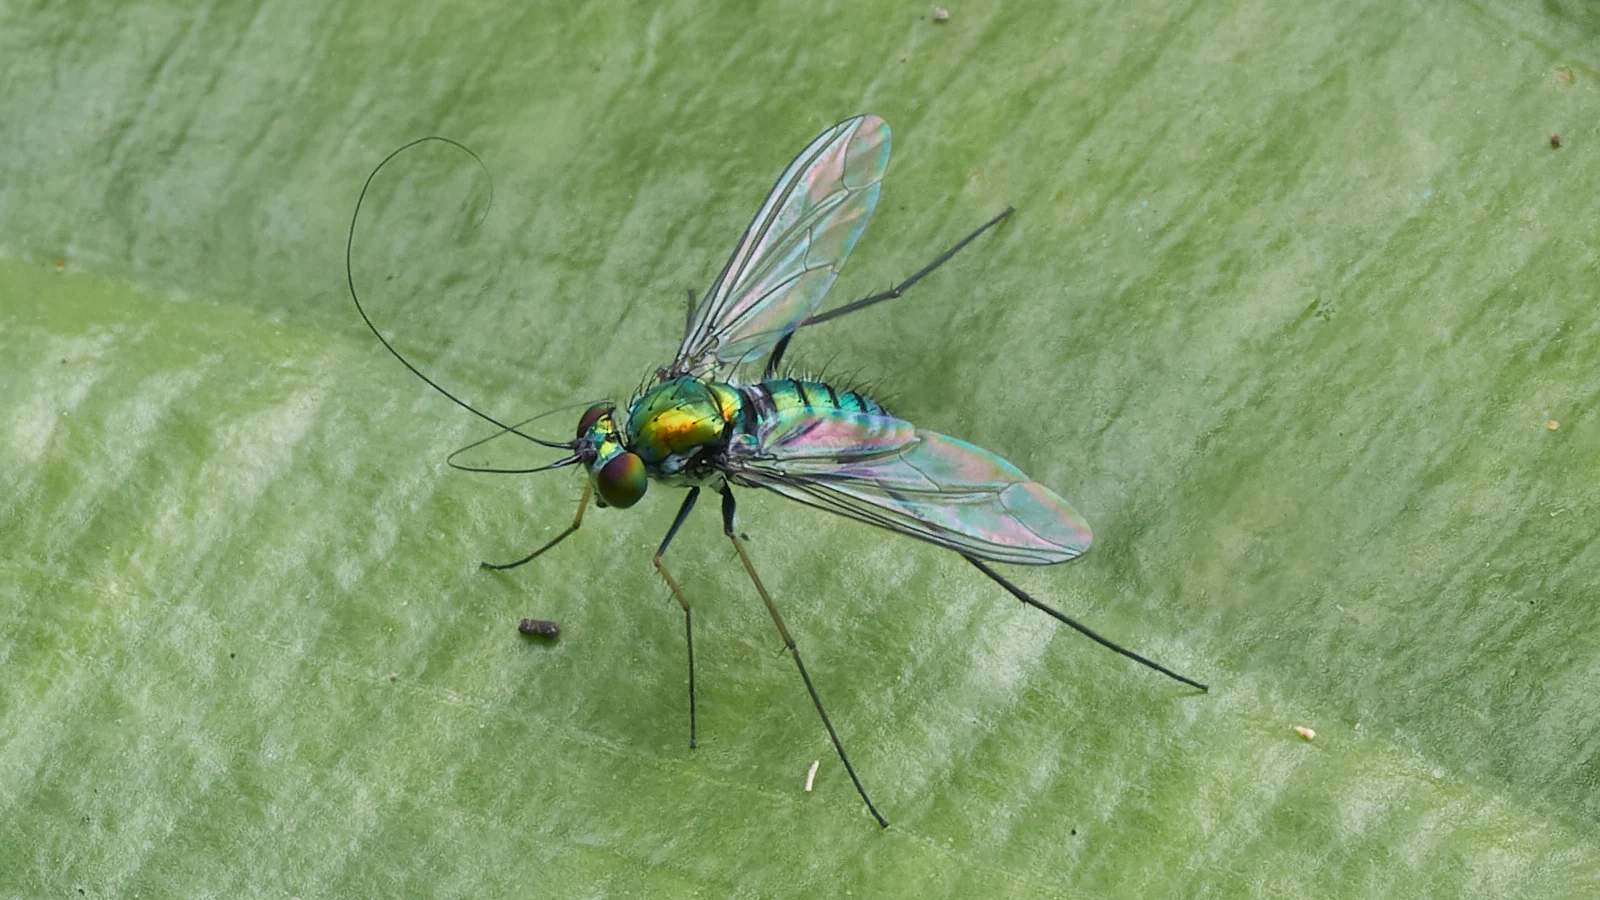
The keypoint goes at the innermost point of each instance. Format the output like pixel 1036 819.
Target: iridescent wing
pixel 886 472
pixel 792 250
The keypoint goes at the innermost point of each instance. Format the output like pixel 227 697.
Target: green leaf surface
pixel 1298 308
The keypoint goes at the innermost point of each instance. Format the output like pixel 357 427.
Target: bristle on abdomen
pixel 795 393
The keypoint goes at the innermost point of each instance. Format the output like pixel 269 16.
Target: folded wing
pixel 884 471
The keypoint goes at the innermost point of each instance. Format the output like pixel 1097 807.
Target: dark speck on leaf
pixel 539 628
pixel 1555 141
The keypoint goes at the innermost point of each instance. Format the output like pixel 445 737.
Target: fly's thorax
pixel 617 474
pixel 679 418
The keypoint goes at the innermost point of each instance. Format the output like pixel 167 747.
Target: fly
pixel 701 425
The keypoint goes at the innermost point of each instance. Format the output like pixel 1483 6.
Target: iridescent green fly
pixel 700 425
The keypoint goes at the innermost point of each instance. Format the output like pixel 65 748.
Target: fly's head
pixel 618 475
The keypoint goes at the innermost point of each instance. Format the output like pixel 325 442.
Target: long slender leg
pixel 577 520
pixel 901 288
pixel 1081 629
pixel 778 350
pixel 688 621
pixel 890 294
pixel 788 643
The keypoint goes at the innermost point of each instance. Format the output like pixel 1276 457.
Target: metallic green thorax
pixel 677 418
pixel 682 421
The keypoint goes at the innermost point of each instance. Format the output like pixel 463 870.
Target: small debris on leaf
pixel 539 628
pixel 1555 141
pixel 1551 425
pixel 1305 732
pixel 394 676
pixel 811 774
pixel 941 15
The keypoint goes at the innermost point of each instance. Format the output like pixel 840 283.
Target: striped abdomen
pixel 771 398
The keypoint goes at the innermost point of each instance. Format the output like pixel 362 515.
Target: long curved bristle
pixel 350 279
pixel 504 430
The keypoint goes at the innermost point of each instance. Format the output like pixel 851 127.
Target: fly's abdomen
pixel 781 395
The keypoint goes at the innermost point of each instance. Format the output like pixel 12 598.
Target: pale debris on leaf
pixel 811 774
pixel 1304 732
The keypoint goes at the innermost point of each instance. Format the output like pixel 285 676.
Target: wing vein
pixel 792 250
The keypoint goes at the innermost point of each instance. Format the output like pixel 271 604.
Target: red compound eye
pixel 591 417
pixel 622 480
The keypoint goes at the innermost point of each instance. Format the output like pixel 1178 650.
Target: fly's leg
pixel 788 643
pixel 771 371
pixel 890 294
pixel 688 620
pixel 577 520
pixel 903 286
pixel 1081 629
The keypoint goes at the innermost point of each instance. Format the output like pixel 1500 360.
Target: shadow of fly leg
pixel 688 620
pixel 890 294
pixel 1022 595
pixel 577 520
pixel 788 643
